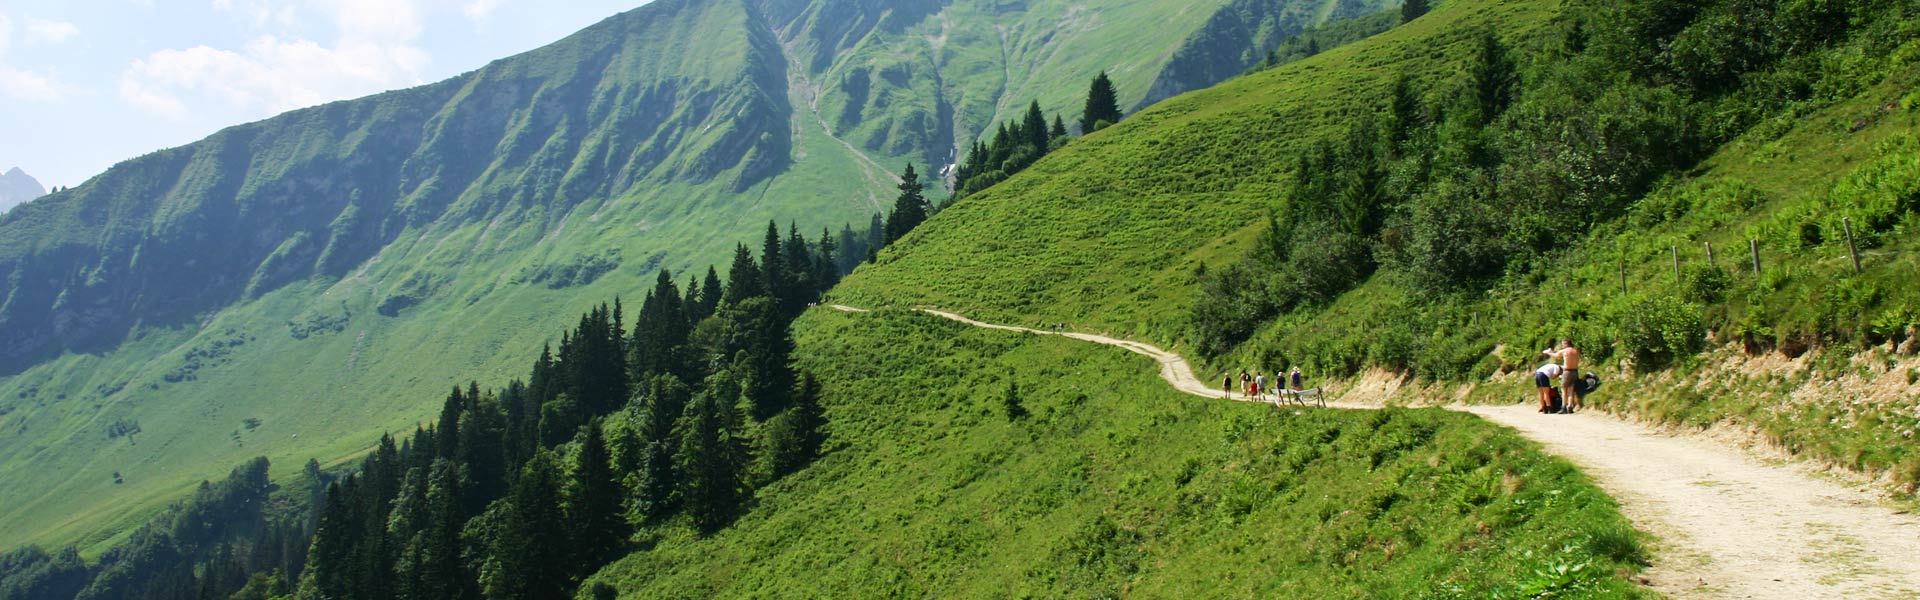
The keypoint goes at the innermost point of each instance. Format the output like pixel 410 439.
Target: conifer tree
pixel 826 264
pixel 1035 128
pixel 1491 77
pixel 665 400
pixel 743 279
pixel 1011 402
pixel 598 523
pixel 1059 130
pixel 876 236
pixel 712 456
pixel 756 337
pixel 1413 9
pixel 660 333
pixel 1103 105
pixel 773 266
pixel 711 292
pixel 909 209
pixel 526 558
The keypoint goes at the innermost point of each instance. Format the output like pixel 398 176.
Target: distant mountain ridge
pixel 17 188
pixel 293 270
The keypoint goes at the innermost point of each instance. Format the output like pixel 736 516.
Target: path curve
pixel 1730 525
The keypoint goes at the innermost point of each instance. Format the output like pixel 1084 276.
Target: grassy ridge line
pixel 1118 485
pixel 1107 232
pixel 337 390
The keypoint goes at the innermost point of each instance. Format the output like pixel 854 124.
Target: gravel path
pixel 1730 525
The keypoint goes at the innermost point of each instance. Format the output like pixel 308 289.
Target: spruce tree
pixel 1035 128
pixel 1490 77
pixel 876 236
pixel 1011 402
pixel 660 333
pixel 531 547
pixel 712 456
pixel 1413 9
pixel 826 264
pixel 665 400
pixel 1103 105
pixel 599 524
pixel 909 209
pixel 773 267
pixel 1059 130
pixel 711 292
pixel 744 279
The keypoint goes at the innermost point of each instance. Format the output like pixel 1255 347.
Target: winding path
pixel 1730 526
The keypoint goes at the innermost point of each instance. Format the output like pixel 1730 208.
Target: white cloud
pixel 478 10
pixel 52 32
pixel 268 76
pixel 6 33
pixel 30 86
pixel 375 50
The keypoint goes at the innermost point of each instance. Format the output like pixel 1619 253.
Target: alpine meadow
pixel 1267 295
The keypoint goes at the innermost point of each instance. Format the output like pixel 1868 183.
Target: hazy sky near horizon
pixel 85 84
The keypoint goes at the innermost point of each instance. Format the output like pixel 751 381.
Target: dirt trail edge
pixel 1730 526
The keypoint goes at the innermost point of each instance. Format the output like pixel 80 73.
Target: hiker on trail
pixel 1569 357
pixel 1544 378
pixel 1246 383
pixel 1226 386
pixel 1259 384
pixel 1296 380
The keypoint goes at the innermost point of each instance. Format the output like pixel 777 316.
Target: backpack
pixel 1589 383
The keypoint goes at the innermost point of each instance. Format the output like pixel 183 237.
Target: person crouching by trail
pixel 1545 378
pixel 1569 357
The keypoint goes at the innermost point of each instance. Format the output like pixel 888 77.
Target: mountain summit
pixel 323 273
pixel 17 188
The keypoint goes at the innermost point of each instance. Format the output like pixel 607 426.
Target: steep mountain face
pixel 17 188
pixel 1239 35
pixel 294 286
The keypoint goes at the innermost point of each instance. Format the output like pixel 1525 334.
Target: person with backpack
pixel 1544 379
pixel 1298 382
pixel 1569 357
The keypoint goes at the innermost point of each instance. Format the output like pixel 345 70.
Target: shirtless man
pixel 1569 357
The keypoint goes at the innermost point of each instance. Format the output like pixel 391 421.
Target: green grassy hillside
pixel 1116 485
pixel 1635 131
pixel 1107 233
pixel 292 287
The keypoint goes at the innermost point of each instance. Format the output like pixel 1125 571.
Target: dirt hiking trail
pixel 1729 524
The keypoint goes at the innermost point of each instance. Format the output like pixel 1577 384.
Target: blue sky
pixel 87 83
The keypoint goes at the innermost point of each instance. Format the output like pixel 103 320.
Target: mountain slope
pixel 1115 485
pixel 292 287
pixel 1576 232
pixel 17 187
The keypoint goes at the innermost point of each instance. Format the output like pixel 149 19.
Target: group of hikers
pixel 1560 384
pixel 1255 385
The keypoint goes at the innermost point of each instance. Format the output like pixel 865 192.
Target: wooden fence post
pixel 1851 250
pixel 1755 246
pixel 1676 262
pixel 1710 254
pixel 1623 278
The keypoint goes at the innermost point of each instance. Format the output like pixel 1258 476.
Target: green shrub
pixel 1660 330
pixel 1704 284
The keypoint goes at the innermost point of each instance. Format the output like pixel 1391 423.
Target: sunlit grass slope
pixel 1107 232
pixel 1116 485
